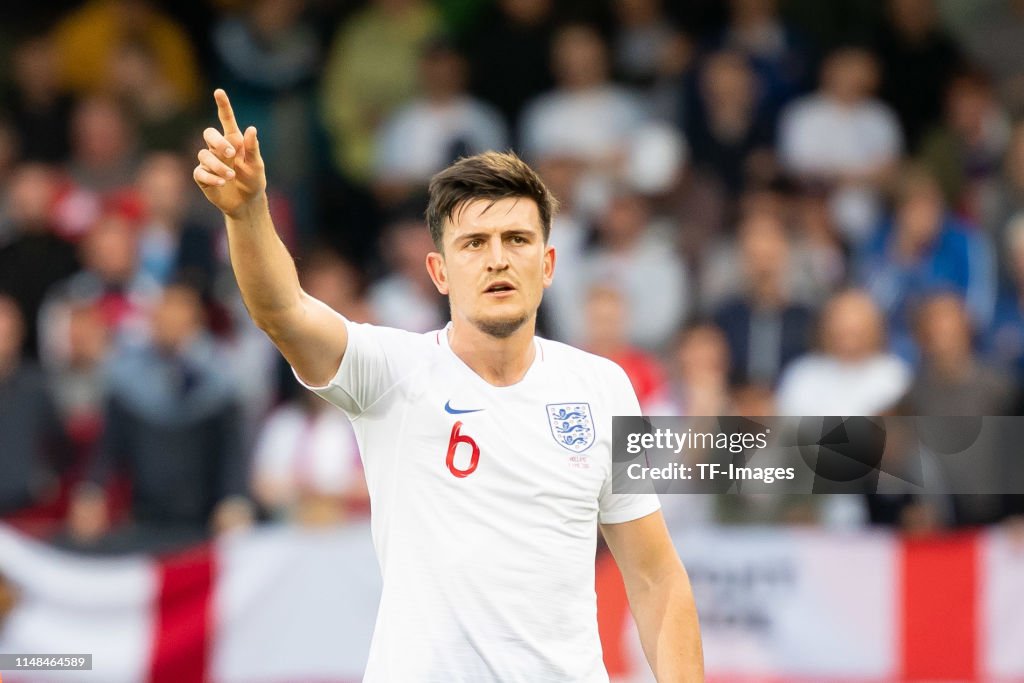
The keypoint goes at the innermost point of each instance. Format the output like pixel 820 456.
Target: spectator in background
pixel 306 467
pixel 851 374
pixel 10 149
pixel 650 54
pixel 765 328
pixel 918 60
pixel 171 244
pixel 994 44
pixel 783 59
pixel 406 298
pixel 820 255
pixel 719 257
pixel 966 152
pixel 729 135
pixel 638 255
pixel 269 59
pixel 1004 341
pixel 339 284
pixel 952 380
pixel 266 50
pixel 699 381
pixel 172 426
pixel 924 249
pixel 586 118
pixel 91 37
pixel 842 137
pixel 561 316
pixel 31 436
pixel 430 132
pixel 109 277
pixel 509 54
pixel 78 384
pixel 371 70
pixel 40 110
pixel 164 117
pixel 643 34
pixel 1008 198
pixel 607 335
pixel 33 258
pixel 102 166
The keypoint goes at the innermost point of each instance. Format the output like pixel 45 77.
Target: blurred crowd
pixel 769 207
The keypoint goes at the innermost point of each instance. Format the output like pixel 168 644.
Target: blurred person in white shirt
pixel 843 136
pixel 852 373
pixel 443 123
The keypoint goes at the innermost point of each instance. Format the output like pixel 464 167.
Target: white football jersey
pixel 485 503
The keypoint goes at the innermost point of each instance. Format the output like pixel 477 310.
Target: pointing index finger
pixel 225 113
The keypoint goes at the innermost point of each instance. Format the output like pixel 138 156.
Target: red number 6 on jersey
pixel 453 443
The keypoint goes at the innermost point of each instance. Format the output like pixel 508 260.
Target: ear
pixel 549 265
pixel 438 271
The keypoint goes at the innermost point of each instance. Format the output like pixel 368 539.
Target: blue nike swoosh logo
pixel 454 411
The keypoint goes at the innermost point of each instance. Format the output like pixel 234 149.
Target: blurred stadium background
pixel 768 208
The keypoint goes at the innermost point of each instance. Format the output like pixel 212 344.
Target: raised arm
pixel 310 335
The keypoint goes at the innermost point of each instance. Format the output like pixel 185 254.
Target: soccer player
pixel 487 450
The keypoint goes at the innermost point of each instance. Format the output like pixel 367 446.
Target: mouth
pixel 500 288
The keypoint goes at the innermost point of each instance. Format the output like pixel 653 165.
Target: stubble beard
pixel 501 329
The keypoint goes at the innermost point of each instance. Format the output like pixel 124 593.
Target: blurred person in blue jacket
pixel 172 426
pixel 924 249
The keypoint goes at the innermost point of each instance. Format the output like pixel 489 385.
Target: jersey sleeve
pixel 615 508
pixel 376 359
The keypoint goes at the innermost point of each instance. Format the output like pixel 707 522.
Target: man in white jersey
pixel 487 450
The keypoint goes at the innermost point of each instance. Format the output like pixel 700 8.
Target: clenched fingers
pixel 206 178
pixel 212 163
pixel 218 143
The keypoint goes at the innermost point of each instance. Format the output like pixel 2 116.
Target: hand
pixel 231 514
pixel 230 171
pixel 87 515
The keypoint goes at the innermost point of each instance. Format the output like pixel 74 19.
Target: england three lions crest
pixel 572 425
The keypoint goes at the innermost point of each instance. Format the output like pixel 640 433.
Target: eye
pixel 518 239
pixel 475 243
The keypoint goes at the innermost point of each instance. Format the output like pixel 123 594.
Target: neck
pixel 499 362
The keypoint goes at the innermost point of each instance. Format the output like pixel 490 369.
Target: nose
pixel 497 258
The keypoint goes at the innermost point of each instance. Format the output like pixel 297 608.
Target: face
pixel 852 327
pixel 177 318
pixel 495 265
pixel 443 74
pixel 764 247
pixel 851 75
pixel 111 249
pixel 579 58
pixel 944 329
pixel 703 356
pixel 728 82
pixel 11 329
pixel 162 184
pixel 919 215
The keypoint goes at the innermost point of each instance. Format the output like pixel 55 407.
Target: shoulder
pixel 805 368
pixel 587 366
pixel 803 107
pixel 393 336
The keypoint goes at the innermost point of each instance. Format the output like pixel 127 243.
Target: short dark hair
pixel 491 175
